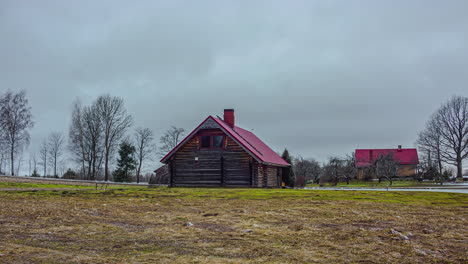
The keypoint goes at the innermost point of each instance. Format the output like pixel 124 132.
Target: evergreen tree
pixel 35 174
pixel 288 173
pixel 70 174
pixel 126 163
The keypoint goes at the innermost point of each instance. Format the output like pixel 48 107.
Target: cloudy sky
pixel 318 77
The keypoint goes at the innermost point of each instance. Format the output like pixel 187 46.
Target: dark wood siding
pixel 229 166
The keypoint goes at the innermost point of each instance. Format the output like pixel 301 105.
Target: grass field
pixel 48 224
pixel 376 184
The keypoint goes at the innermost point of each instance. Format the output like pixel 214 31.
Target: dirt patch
pixel 151 226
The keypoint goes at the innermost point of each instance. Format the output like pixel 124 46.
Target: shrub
pixel 35 174
pixel 70 174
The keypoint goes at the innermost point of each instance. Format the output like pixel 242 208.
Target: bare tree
pixel 92 133
pixel 308 168
pixel 30 165
pixel 34 162
pixel 332 171
pixel 430 143
pixel 76 137
pixel 170 139
pixel 144 142
pixel 451 122
pixel 349 171
pixel 3 156
pixel 386 167
pixel 115 122
pixel 55 147
pixel 43 155
pixel 19 163
pixel 15 121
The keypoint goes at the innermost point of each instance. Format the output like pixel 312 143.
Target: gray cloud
pixel 318 77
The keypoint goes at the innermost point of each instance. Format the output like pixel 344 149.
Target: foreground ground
pixel 79 224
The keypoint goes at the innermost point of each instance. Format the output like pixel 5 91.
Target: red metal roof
pixel 245 138
pixel 253 144
pixel 365 157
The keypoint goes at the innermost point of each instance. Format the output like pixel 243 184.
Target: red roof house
pixel 407 158
pixel 219 153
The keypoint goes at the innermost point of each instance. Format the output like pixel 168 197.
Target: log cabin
pixel 219 153
pixel 407 159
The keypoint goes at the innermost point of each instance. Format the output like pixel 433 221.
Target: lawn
pixel 204 225
pixel 376 184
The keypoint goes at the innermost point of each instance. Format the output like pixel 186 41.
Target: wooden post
pixel 222 172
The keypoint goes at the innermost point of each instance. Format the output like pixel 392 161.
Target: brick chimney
pixel 229 117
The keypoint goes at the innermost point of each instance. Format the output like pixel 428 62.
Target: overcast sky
pixel 318 77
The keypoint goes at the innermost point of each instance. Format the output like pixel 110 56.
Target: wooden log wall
pixel 268 176
pixel 229 166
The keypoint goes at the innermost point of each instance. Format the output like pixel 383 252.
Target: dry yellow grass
pixel 162 225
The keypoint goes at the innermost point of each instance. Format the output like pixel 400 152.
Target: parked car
pixel 465 177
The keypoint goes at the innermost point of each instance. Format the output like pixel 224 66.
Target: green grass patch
pixel 376 184
pixel 136 224
pixel 41 185
pixel 248 194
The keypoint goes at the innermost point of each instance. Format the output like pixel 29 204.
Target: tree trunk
pixel 439 160
pixel 12 158
pixel 459 168
pixel 138 172
pixel 106 167
pixel 90 165
pixel 83 169
pixel 55 166
pixel 93 173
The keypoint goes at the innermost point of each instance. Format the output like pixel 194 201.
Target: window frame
pixel 222 141
pixel 211 135
pixel 201 142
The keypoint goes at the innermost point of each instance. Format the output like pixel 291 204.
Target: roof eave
pixel 275 164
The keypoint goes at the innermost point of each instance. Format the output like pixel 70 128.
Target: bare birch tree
pixel 43 156
pixel 430 142
pixel 170 139
pixel 76 137
pixel 55 147
pixel 3 154
pixel 92 133
pixel 115 122
pixel 451 121
pixel 144 142
pixel 15 121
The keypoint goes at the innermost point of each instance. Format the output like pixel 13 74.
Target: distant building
pixel 219 153
pixel 406 158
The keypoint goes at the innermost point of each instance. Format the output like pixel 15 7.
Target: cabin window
pixel 211 141
pixel 205 141
pixel 217 141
